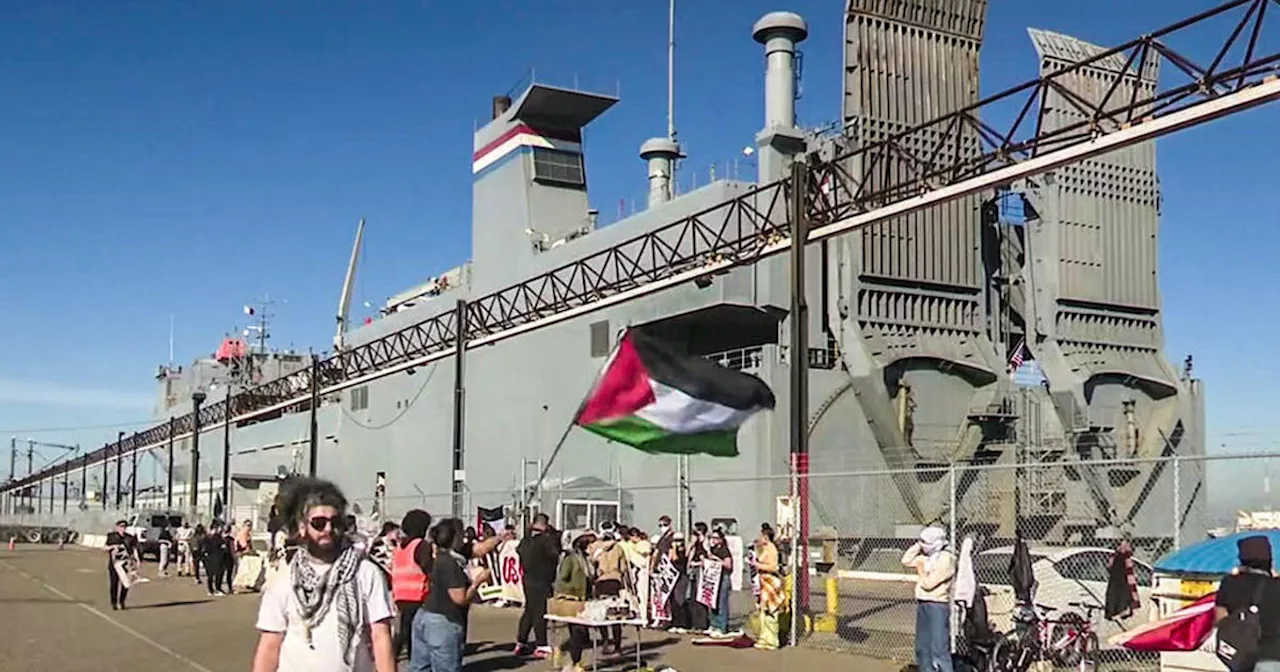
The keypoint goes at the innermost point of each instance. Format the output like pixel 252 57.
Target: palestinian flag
pixel 660 401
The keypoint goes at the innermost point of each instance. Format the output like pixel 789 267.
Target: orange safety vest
pixel 408 582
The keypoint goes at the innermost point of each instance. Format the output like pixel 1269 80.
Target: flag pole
pixel 546 467
pixel 533 492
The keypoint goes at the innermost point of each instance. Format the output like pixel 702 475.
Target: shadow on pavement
pixel 40 600
pixel 162 605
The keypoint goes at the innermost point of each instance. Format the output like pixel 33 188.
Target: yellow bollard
pixel 828 621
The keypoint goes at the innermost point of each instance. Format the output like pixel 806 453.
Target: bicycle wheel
pixel 1088 647
pixel 1008 655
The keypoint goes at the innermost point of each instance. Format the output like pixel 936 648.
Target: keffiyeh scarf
pixel 317 595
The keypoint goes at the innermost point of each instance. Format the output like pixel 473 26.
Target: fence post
pixel 1177 502
pixel 951 534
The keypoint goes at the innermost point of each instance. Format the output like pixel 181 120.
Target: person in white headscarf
pixel 935 566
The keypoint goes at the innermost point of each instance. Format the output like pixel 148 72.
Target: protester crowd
pixel 335 600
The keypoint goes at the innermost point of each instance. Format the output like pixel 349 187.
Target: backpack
pixel 1239 632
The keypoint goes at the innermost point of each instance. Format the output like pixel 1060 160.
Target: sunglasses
pixel 322 523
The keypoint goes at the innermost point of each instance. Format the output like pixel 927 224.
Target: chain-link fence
pixel 1072 514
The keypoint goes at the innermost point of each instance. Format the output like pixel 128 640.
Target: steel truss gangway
pixel 951 157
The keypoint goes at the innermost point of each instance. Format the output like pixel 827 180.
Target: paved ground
pixel 57 616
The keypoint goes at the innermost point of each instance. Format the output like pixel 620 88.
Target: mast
pixel 671 70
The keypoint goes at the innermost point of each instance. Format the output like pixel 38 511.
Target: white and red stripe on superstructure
pixel 523 138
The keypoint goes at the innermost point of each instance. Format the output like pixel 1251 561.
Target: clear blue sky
pixel 164 159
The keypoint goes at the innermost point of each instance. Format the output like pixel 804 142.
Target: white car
pixel 1064 575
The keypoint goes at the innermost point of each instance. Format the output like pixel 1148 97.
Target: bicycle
pixel 1069 641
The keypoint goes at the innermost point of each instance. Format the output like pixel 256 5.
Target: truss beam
pixel 942 160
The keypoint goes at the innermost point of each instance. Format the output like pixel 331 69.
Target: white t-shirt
pixel 280 612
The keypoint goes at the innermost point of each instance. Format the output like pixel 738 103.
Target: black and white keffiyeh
pixel 316 594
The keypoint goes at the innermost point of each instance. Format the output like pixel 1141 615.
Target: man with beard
pixel 329 611
pixel 539 553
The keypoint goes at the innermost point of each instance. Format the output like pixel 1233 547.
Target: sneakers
pixel 521 650
pixel 542 652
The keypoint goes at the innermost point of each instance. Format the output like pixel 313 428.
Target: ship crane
pixel 344 302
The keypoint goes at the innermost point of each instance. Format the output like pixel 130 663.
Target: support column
pixel 459 405
pixel 133 477
pixel 197 398
pixel 799 361
pixel 313 441
pixel 84 479
pixel 106 454
pixel 119 469
pixel 226 451
pixel 168 487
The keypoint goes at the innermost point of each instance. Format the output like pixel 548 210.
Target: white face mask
pixel 663 528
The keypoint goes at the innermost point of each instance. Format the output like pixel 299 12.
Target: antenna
pixel 260 310
pixel 170 339
pixel 671 71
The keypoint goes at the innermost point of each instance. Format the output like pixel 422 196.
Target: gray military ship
pixel 1017 342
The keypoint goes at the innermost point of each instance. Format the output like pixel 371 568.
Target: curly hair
pixel 415 524
pixel 306 493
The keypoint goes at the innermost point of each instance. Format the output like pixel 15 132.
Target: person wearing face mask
pixel 573 582
pixel 935 566
pixel 720 615
pixel 329 610
pixel 662 541
pixel 699 615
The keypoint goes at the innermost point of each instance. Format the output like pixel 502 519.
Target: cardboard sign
pixel 709 582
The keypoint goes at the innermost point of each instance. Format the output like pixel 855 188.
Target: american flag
pixel 1019 354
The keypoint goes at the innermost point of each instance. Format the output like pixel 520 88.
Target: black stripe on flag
pixel 700 378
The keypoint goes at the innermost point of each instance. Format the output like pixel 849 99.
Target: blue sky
pixel 178 160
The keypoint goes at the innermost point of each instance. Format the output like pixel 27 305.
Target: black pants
pixel 196 561
pixel 680 616
pixel 404 638
pixel 699 615
pixel 118 592
pixel 229 571
pixel 214 573
pixel 534 616
pixel 579 640
pixel 611 588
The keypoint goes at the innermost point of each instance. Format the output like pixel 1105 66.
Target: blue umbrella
pixel 1214 556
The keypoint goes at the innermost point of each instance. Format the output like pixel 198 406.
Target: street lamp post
pixel 119 467
pixel 197 398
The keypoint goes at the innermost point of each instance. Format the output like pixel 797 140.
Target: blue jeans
pixel 437 644
pixel 720 617
pixel 933 636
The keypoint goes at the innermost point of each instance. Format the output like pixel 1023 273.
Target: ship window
pixel 600 339
pixel 360 398
pixel 561 167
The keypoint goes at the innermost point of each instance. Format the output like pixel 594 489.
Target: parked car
pixel 146 526
pixel 1063 575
